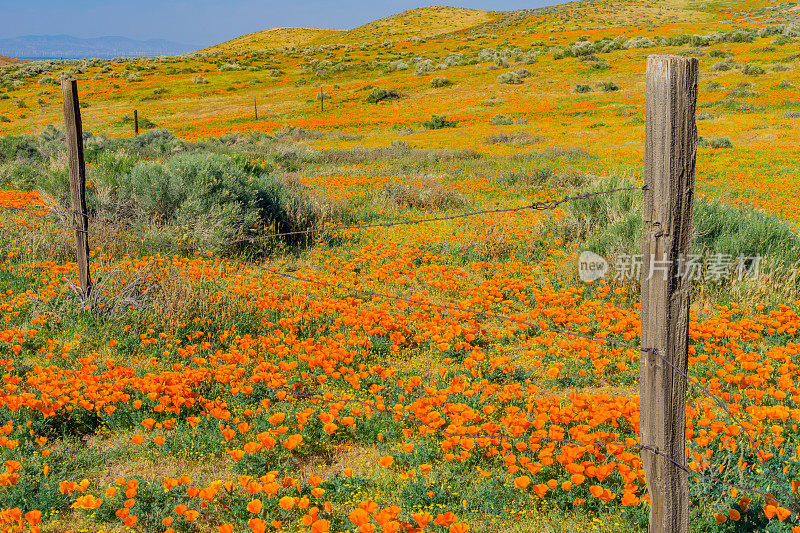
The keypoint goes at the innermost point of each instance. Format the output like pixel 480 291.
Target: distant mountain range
pixel 67 47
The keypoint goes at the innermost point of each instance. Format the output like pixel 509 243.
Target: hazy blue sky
pixel 203 22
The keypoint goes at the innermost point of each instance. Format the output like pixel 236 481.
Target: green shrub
pixel 502 120
pixel 440 82
pixel 200 196
pixel 379 95
pixel 153 143
pixel 509 78
pixel 107 172
pixel 146 124
pixel 23 148
pixel 431 195
pixel 721 229
pixel 218 200
pixel 297 133
pixel 714 142
pixel 149 192
pixel 438 122
pixel 582 88
pixel 544 177
pixel 609 224
pixel 21 176
pixel 722 66
pixel 55 183
pixel 752 70
pixel 520 138
pixel 610 86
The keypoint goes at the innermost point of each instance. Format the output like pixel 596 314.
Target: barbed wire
pixel 538 438
pixel 696 383
pixel 543 205
pixel 629 345
pixel 504 318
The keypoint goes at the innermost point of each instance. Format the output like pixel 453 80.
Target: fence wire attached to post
pixel 77 182
pixel 670 150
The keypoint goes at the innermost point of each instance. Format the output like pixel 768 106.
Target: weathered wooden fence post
pixel 670 149
pixel 321 99
pixel 136 122
pixel 77 181
pixel 255 107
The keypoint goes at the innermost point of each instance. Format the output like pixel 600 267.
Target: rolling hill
pixel 420 23
pixel 273 38
pixel 7 60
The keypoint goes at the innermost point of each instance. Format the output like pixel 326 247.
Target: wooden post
pixel 255 107
pixel 670 149
pixel 135 122
pixel 321 99
pixel 77 181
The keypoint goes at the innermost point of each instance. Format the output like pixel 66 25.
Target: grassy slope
pixel 273 38
pixel 607 123
pixel 416 23
pixel 8 60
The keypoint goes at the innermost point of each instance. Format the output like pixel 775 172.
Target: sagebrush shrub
pixel 609 224
pixel 715 142
pixel 438 122
pixel 379 95
pixel 501 120
pixel 428 195
pixel 722 66
pixel 509 78
pixel 752 70
pixel 520 138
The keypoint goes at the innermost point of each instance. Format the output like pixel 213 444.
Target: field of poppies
pixel 349 320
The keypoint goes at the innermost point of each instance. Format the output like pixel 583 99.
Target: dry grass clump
pixel 427 195
pixel 398 152
pixel 520 138
pixel 297 134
